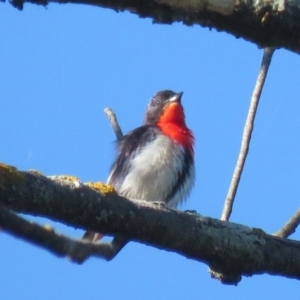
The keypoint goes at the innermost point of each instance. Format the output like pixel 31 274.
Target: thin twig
pixel 290 227
pixel 266 60
pixel 117 242
pixel 60 245
pixel 114 123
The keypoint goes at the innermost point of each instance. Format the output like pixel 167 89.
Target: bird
pixel 155 162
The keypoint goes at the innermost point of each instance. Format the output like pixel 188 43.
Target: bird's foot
pixel 159 203
pixel 192 212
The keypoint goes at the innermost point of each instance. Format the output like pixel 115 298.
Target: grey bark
pixel 231 250
pixel 274 23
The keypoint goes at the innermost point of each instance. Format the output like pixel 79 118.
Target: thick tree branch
pixel 249 124
pixel 231 249
pixel 273 23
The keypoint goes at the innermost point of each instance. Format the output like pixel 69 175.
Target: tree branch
pixel 114 123
pixel 231 249
pixel 45 237
pixel 266 23
pixel 290 227
pixel 266 60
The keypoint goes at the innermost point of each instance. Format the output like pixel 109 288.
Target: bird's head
pixel 165 107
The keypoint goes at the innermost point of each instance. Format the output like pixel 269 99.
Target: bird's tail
pixel 92 236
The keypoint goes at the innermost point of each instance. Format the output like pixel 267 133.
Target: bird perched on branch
pixel 155 162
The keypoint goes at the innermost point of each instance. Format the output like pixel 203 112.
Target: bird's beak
pixel 176 98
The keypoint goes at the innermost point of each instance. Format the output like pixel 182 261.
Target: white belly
pixel 154 173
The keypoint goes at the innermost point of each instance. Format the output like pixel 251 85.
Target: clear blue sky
pixel 61 66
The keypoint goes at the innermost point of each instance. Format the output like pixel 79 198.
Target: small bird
pixel 155 162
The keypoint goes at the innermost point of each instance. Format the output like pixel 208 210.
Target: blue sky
pixel 62 65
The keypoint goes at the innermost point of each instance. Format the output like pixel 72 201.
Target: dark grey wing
pixel 185 174
pixel 130 146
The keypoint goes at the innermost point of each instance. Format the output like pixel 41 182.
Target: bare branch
pixel 114 123
pixel 45 237
pixel 266 60
pixel 270 23
pixel 117 243
pixel 290 227
pixel 223 246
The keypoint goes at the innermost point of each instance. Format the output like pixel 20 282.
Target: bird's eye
pixel 155 102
